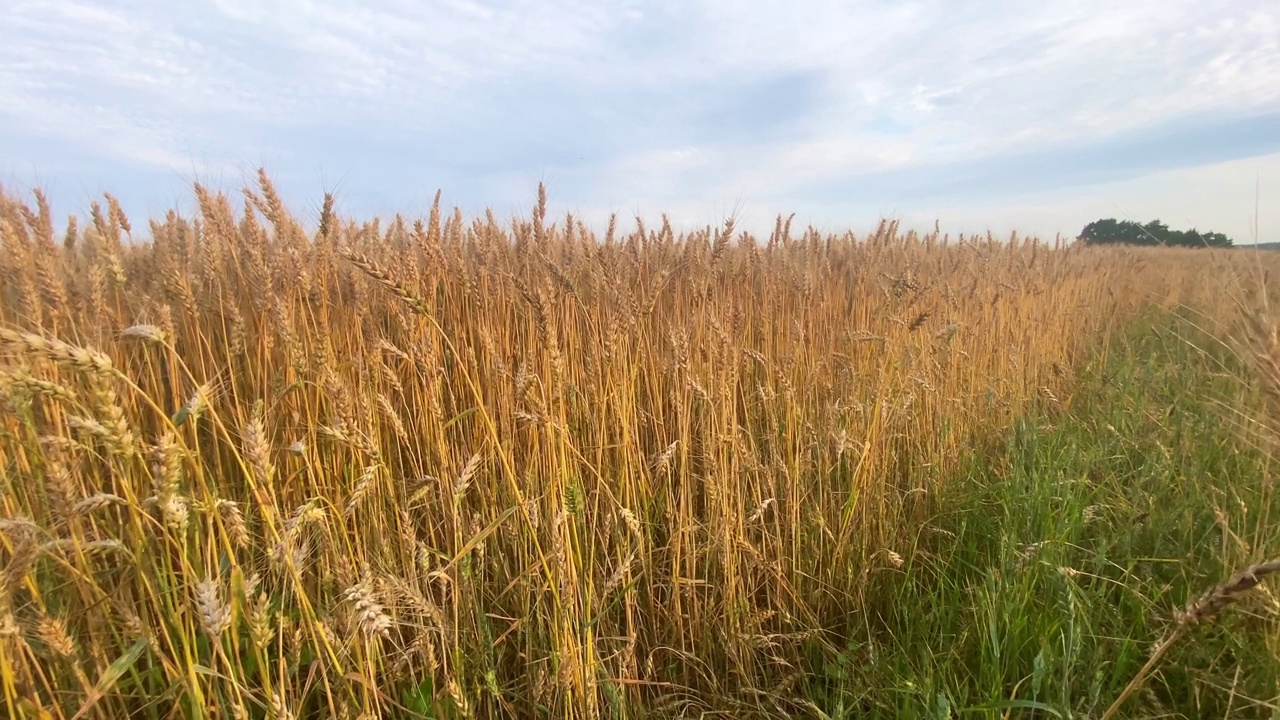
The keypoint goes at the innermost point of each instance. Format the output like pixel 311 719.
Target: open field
pixel 489 468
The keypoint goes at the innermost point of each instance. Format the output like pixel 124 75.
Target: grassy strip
pixel 1054 569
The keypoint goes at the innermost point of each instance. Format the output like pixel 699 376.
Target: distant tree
pixel 1217 239
pixel 1126 232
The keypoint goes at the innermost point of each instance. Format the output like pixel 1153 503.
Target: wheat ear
pixel 1201 609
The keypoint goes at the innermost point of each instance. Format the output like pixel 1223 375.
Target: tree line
pixel 1127 232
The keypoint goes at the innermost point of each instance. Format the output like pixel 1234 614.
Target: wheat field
pixel 483 467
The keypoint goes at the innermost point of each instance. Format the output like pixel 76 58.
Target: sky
pixel 980 115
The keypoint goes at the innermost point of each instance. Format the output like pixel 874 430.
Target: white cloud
pixel 650 105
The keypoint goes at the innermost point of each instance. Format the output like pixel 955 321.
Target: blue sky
pixel 982 115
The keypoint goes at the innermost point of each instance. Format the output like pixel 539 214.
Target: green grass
pixel 1053 567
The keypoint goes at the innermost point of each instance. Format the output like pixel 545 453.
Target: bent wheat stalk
pixel 1204 608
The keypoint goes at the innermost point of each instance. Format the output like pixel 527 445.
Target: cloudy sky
pixel 981 114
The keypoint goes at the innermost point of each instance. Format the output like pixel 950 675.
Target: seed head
pixel 214 615
pixel 146 333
